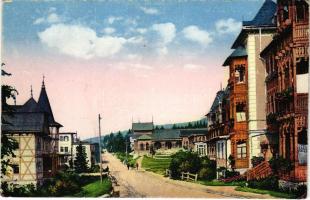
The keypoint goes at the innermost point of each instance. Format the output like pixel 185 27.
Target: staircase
pixel 263 170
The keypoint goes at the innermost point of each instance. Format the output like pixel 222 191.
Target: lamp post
pixel 100 158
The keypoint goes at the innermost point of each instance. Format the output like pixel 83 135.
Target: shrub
pixel 94 168
pixel 269 183
pixel 207 174
pixel 229 174
pixel 257 160
pixel 184 161
pixel 280 164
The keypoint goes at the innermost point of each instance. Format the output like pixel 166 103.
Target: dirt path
pixel 139 183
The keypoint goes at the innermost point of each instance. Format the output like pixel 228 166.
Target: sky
pixel 127 60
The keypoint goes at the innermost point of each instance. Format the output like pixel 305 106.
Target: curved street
pixel 133 183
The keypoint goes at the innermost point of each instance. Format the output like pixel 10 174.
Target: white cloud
pixel 109 30
pixel 198 35
pixel 131 22
pixel 80 41
pixel 136 40
pixel 166 31
pixel 50 19
pixel 192 66
pixel 141 30
pixel 39 21
pixel 53 18
pixel 112 19
pixel 229 25
pixel 149 11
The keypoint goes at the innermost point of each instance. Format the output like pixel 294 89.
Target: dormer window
pixel 240 74
pixel 300 11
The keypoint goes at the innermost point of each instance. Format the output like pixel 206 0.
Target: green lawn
pixel 220 183
pixel 271 193
pixel 96 189
pixel 158 166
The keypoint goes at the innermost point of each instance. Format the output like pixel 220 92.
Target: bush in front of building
pixel 280 164
pixel 187 161
pixel 269 183
pixel 94 169
pixel 208 169
pixel 257 160
pixel 184 161
pixel 14 190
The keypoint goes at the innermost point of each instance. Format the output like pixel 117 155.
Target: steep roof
pixel 218 98
pixel 166 134
pixel 23 122
pixel 237 53
pixel 30 106
pixel 144 137
pixel 265 18
pixel 45 106
pixel 189 132
pixel 145 126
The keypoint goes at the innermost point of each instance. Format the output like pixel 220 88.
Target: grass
pixel 220 183
pixel 271 193
pixel 158 166
pixel 96 189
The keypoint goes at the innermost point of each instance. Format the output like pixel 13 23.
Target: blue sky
pixel 20 17
pixel 124 59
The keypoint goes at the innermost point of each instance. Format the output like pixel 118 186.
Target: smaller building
pixel 194 139
pixel 66 140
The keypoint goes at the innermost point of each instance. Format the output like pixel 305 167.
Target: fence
pixel 168 173
pixel 189 176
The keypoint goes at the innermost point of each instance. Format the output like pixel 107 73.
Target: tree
pixel 174 126
pixel 80 162
pixel 8 145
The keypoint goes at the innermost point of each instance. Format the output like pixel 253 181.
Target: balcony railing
pixel 302 103
pixel 301 31
pixel 261 171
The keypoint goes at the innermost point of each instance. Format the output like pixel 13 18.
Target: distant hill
pixel 166 126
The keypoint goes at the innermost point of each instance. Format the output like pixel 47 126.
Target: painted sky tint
pixel 121 59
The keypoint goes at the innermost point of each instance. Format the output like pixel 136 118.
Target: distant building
pixel 194 140
pixel 219 125
pixel 66 141
pixel 33 126
pixel 144 137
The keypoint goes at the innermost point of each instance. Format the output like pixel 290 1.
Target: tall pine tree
pixel 80 162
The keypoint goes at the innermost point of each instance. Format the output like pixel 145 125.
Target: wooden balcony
pixel 301 32
pixel 302 103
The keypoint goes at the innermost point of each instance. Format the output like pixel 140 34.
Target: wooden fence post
pixel 196 175
pixel 182 176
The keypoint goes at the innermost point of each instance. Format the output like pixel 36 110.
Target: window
pixel 66 138
pixel 61 138
pixel 15 168
pixel 61 149
pixel 300 11
pixel 240 73
pixel 240 112
pixel 241 150
pixel 66 149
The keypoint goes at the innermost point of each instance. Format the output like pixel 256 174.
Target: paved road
pixel 139 183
